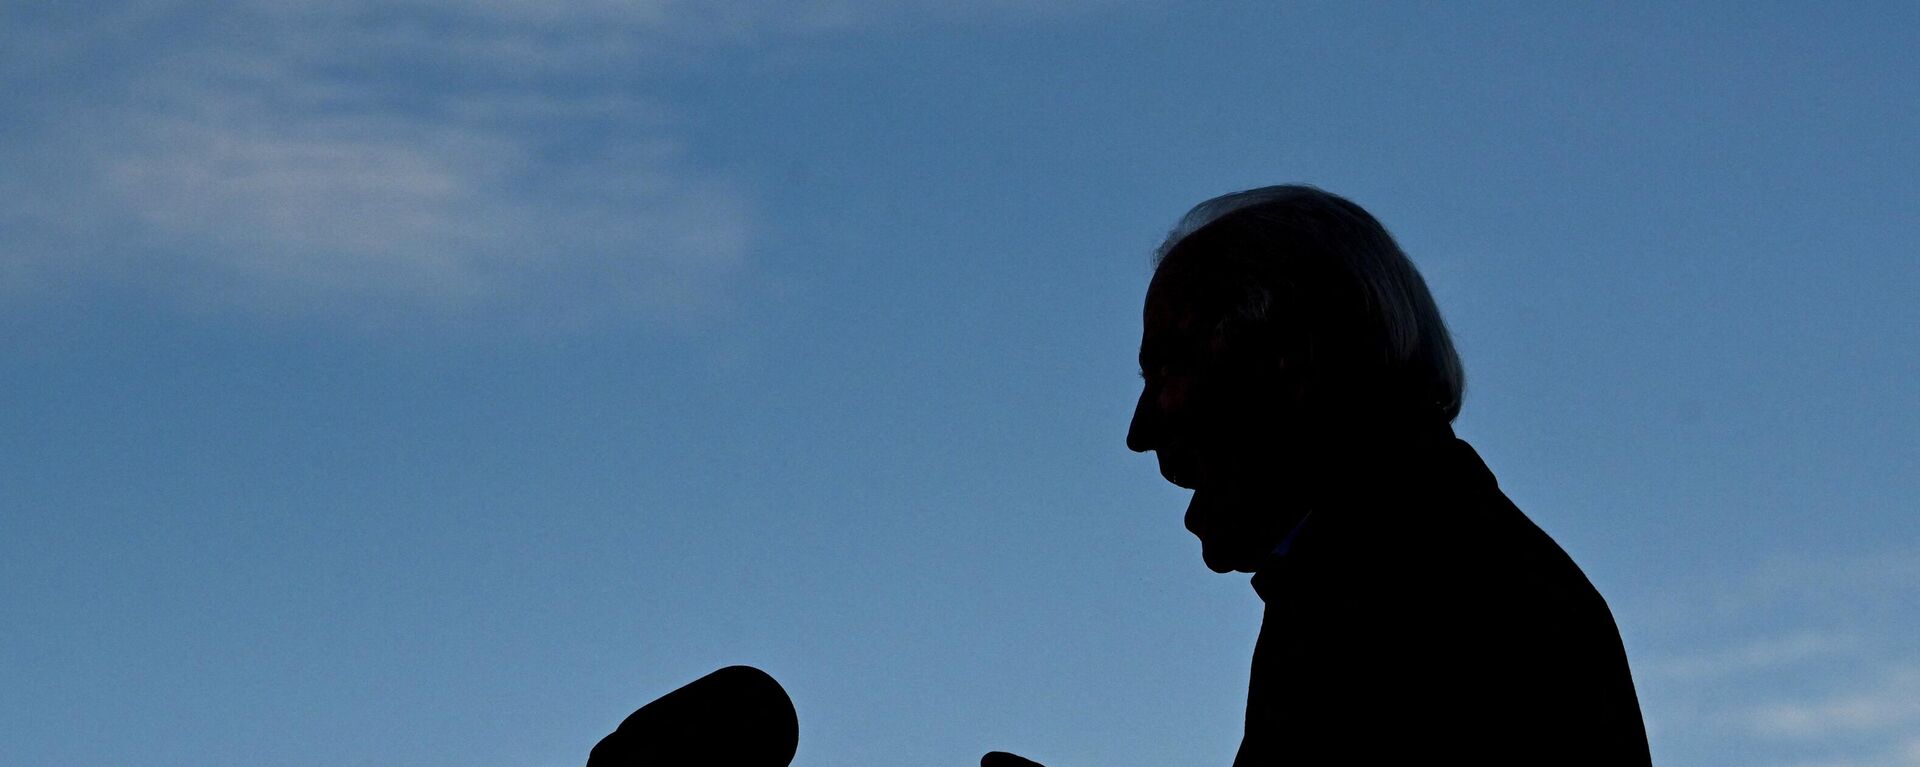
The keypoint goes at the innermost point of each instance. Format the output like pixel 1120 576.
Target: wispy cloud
pixel 1765 654
pixel 431 158
pixel 1826 675
pixel 1870 725
pixel 1906 754
pixel 1888 703
pixel 399 159
pixel 404 159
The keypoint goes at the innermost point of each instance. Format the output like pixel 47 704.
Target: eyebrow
pixel 1162 348
pixel 1153 348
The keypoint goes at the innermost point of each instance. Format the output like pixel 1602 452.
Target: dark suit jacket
pixel 1420 616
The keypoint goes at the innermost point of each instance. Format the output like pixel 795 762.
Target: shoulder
pixel 1442 535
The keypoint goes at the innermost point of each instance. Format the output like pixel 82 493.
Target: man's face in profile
pixel 1213 427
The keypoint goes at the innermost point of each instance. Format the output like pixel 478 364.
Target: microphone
pixel 735 716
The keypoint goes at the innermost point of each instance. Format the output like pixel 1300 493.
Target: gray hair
pixel 1360 302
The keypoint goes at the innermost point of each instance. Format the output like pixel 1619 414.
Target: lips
pixel 1178 471
pixel 1196 517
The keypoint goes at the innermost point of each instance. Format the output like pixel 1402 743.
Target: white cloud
pixel 1906 754
pixel 1893 571
pixel 387 212
pixel 1889 704
pixel 1759 655
pixel 420 158
pixel 1827 674
pixel 1809 589
pixel 303 159
pixel 326 211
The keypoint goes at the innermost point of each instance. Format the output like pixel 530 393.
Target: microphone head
pixel 736 716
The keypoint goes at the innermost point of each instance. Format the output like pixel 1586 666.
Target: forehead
pixel 1170 303
pixel 1169 320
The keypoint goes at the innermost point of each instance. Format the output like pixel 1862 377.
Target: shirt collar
pixel 1270 569
pixel 1286 544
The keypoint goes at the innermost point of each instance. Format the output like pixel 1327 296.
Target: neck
pixel 1359 454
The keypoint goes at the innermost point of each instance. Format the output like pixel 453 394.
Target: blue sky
pixel 433 382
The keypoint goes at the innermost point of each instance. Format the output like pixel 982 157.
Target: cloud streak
pixel 1760 655
pixel 1888 704
pixel 398 160
pixel 1828 676
pixel 441 160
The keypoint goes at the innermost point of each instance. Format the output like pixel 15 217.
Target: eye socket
pixel 1175 358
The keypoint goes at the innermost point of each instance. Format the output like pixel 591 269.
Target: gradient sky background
pixel 432 383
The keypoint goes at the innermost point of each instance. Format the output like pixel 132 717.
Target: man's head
pixel 1284 331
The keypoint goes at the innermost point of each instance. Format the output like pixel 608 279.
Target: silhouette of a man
pixel 1299 380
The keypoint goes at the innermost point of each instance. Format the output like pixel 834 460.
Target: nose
pixel 1140 434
